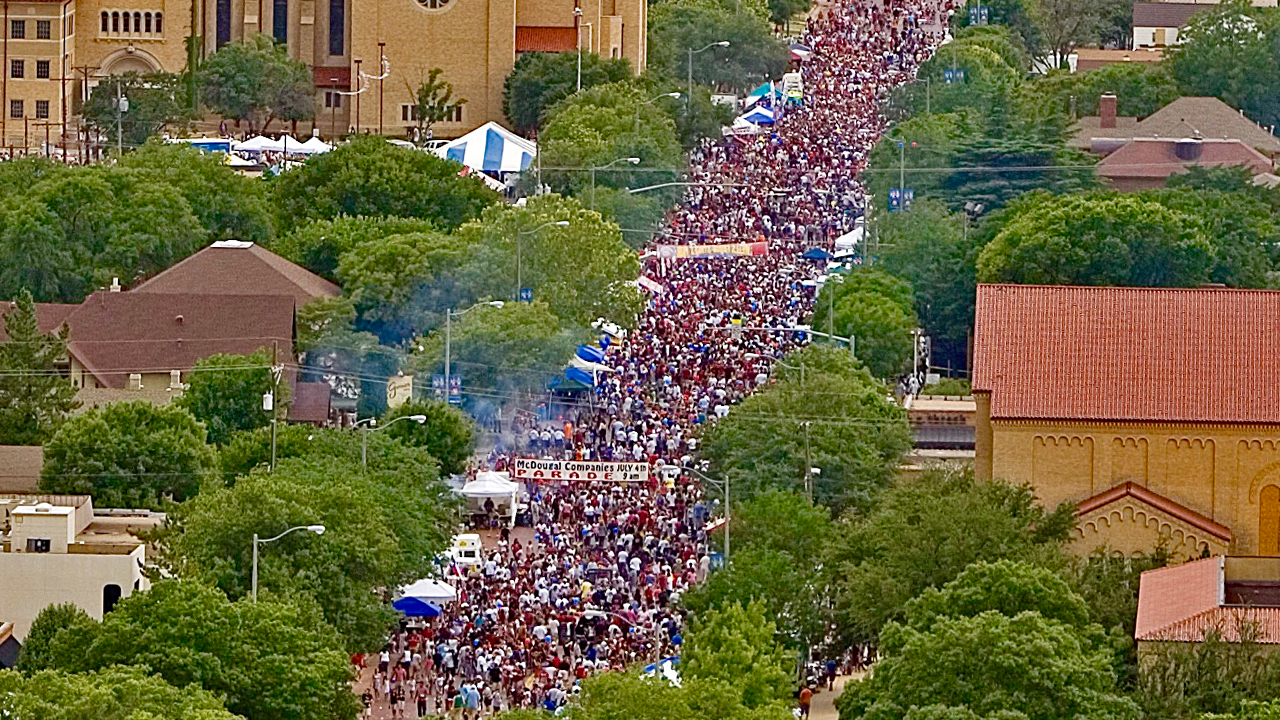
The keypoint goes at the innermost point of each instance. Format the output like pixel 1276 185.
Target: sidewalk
pixel 823 706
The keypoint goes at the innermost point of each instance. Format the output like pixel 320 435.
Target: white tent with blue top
pixel 491 148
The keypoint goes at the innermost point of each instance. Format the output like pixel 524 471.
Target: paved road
pixel 823 706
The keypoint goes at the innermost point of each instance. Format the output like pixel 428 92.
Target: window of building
pixel 44 30
pixel 17 68
pixel 15 109
pixel 18 29
pixel 159 23
pixel 332 99
pixel 38 545
pixel 115 22
pixel 455 116
pixel 224 22
pixel 337 26
pixel 42 109
pixel 124 25
pixel 433 4
pixel 137 22
pixel 110 596
pixel 42 69
pixel 105 26
pixel 1269 521
pixel 409 113
pixel 280 20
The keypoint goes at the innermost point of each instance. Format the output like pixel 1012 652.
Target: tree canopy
pixel 735 645
pixel 34 398
pixel 448 433
pixel 155 100
pixel 256 81
pixel 318 244
pixel 877 310
pixel 225 393
pixel 113 693
pixel 542 79
pixel 128 454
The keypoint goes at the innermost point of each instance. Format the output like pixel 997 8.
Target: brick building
pixel 54 52
pixel 1153 410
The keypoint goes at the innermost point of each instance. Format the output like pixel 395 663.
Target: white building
pixel 57 549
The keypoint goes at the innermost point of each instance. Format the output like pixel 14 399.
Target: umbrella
pixel 416 607
pixel 817 254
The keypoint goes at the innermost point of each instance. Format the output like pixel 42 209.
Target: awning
pixel 816 254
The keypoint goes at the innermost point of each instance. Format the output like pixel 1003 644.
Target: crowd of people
pixel 597 586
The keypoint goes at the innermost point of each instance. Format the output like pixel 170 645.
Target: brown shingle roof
pixel 1184 117
pixel 532 38
pixel 114 334
pixel 310 402
pixel 1151 158
pixel 1164 14
pixel 1128 354
pixel 239 268
pixel 49 316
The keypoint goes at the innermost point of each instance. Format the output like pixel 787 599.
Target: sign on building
pixel 580 471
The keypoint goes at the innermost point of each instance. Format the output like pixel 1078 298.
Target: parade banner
pixel 650 284
pixel 682 252
pixel 579 470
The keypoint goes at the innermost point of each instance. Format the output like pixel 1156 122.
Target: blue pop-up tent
pixel 416 607
pixel 491 148
pixel 758 115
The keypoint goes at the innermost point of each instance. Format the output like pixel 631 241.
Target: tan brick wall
pixel 25 130
pixel 1216 471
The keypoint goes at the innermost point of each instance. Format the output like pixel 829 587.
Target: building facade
pixel 1142 406
pixel 366 56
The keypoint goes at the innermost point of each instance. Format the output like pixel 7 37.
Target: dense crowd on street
pixel 597 586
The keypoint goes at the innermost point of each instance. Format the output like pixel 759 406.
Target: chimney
pixel 115 284
pixel 1107 111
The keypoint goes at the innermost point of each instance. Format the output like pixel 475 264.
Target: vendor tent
pixel 431 590
pixel 816 254
pixel 254 144
pixel 758 116
pixel 414 607
pixel 495 486
pixel 314 146
pixel 206 144
pixel 491 148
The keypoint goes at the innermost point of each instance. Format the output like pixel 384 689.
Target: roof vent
pixel 115 284
pixel 43 507
pixel 178 319
pixel 232 244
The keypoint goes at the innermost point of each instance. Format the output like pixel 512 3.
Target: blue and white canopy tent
pixel 758 115
pixel 425 597
pixel 491 148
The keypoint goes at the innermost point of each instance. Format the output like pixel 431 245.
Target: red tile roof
pixel 1157 158
pixel 1173 594
pixel 1157 501
pixel 231 267
pixel 1128 354
pixel 531 38
pixel 114 334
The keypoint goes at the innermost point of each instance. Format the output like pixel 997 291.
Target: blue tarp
pixel 581 376
pixel 817 254
pixel 416 607
pixel 591 354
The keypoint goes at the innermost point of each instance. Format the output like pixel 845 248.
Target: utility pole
pixel 808 464
pixel 382 71
pixel 359 92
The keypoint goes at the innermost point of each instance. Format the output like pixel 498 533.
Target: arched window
pixel 137 22
pixel 126 22
pixel 147 18
pixel 105 25
pixel 159 23
pixel 115 22
pixel 1269 521
pixel 110 596
pixel 223 22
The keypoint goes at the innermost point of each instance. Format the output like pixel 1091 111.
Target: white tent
pixel 287 144
pixel 254 144
pixel 490 148
pixel 431 590
pixel 495 486
pixel 314 146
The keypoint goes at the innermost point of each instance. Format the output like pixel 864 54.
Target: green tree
pixel 1097 240
pixel 877 310
pixel 497 351
pixel 1140 89
pixel 925 531
pixel 617 695
pixel 1229 52
pixel 250 450
pixel 354 363
pixel 369 176
pixel 448 433
pixel 1215 675
pixel 838 422
pixel 319 244
pixel 1109 584
pixel 541 79
pixel 34 398
pixel 36 653
pixel 152 228
pixel 993 171
pixel 933 250
pixel 1240 226
pixel 735 645
pixel 116 693
pixel 155 100
pixel 397 282
pixel 1017 15
pixel 582 270
pixel 268 660
pixel 753 56
pixel 993 665
pixel 1008 587
pixel 128 454
pixel 433 101
pixel 225 393
pixel 929 145
pixel 229 206
pixel 36 258
pixel 255 81
pixel 382 530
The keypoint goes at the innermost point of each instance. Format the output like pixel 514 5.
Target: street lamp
pixel 594 168
pixel 317 529
pixel 367 424
pixel 122 107
pixel 519 260
pixel 448 342
pixel 688 103
pixel 778 361
pixel 650 101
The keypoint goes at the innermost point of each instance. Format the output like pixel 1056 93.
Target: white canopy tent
pixel 490 148
pixel 314 146
pixel 495 486
pixel 431 590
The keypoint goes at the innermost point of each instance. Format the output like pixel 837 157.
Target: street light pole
pixel 650 102
pixel 367 424
pixel 253 592
pixel 725 485
pixel 632 160
pixel 449 314
pixel 688 101
pixel 520 260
